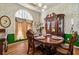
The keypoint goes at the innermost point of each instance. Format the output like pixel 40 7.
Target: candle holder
pixel 72 23
pixel 72 29
pixel 48 39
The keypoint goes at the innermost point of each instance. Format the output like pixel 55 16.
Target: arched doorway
pixel 23 20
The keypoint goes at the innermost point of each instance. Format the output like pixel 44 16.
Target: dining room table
pixel 50 40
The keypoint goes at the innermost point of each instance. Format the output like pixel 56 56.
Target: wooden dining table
pixel 51 40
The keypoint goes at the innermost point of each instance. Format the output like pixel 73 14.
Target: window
pixel 23 14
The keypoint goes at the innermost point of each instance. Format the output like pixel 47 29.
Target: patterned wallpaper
pixel 10 9
pixel 71 11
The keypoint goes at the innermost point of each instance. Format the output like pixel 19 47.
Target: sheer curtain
pixel 21 29
pixel 19 33
pixel 24 29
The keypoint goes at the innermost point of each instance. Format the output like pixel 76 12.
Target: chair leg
pixel 1 52
pixel 33 50
pixel 1 49
pixel 28 49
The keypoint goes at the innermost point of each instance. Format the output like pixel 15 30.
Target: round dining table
pixel 51 40
pixel 49 43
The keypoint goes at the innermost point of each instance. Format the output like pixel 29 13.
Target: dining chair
pixel 31 42
pixel 68 49
pixel 3 41
pixel 1 47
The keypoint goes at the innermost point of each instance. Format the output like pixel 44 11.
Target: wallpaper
pixel 71 11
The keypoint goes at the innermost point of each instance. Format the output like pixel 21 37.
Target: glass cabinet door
pixel 53 26
pixel 60 24
pixel 48 25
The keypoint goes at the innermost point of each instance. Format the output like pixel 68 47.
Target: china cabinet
pixel 54 24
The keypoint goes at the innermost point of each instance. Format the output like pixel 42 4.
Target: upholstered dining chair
pixel 68 49
pixel 31 42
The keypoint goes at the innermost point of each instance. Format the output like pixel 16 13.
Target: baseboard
pixel 16 42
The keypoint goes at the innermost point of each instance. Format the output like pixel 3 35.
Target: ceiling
pixel 35 7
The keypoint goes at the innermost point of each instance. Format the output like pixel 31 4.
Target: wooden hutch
pixel 2 32
pixel 54 24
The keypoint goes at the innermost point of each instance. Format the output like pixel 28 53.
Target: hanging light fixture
pixel 40 4
pixel 44 6
pixel 43 10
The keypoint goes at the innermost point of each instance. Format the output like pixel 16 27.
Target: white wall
pixel 10 9
pixel 71 11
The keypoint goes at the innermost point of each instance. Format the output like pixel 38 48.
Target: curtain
pixel 21 29
pixel 19 34
pixel 24 29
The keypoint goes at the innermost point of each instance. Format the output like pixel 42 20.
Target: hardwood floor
pixel 20 48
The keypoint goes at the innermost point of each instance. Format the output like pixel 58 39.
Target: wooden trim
pixel 2 30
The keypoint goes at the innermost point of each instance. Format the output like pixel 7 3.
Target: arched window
pixel 23 14
pixel 21 18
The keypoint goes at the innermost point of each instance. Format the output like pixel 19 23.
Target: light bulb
pixel 43 10
pixel 44 6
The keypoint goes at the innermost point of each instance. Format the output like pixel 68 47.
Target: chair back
pixel 73 39
pixel 30 38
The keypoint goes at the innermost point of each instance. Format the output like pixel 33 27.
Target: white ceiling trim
pixel 29 6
